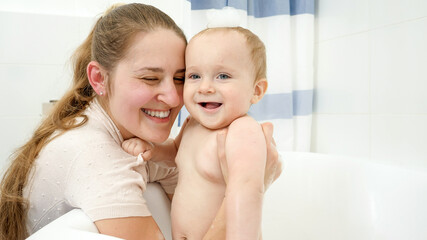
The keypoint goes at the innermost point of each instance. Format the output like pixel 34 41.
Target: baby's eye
pixel 194 76
pixel 223 76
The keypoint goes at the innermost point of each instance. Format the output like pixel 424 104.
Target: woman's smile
pixel 157 113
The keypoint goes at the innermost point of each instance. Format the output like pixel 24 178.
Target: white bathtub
pixel 318 197
pixel 324 197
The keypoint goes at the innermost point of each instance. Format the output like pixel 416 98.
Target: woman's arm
pixel 143 227
pixel 130 228
pixel 218 227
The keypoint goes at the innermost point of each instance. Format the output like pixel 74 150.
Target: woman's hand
pixel 273 167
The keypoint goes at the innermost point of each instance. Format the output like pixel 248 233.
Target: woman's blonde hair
pixel 107 44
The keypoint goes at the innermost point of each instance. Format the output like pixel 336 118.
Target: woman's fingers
pixel 273 167
pixel 220 137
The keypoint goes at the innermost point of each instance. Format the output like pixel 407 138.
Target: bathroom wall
pixel 37 38
pixel 371 80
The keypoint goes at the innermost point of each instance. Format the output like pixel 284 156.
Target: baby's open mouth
pixel 210 105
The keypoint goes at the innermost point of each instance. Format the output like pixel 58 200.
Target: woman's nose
pixel 206 86
pixel 170 93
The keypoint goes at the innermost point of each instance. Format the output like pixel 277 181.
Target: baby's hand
pixel 135 146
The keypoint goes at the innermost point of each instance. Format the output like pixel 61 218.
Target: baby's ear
pixel 260 88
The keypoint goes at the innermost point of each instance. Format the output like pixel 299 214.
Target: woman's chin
pixel 159 138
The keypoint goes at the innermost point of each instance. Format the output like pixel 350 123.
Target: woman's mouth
pixel 157 113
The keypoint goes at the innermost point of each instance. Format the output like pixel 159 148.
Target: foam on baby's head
pixel 225 17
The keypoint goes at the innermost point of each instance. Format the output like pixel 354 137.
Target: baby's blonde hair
pixel 255 45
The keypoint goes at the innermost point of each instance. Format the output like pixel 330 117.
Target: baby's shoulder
pixel 244 128
pixel 245 122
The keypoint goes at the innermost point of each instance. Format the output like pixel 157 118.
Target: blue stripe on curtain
pixel 283 105
pixel 301 7
pixel 259 8
pixel 275 106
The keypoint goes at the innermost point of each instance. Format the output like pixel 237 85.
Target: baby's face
pixel 219 78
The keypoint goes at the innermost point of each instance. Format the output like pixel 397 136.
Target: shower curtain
pixel 287 29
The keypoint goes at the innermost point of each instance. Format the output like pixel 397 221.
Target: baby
pixel 225 75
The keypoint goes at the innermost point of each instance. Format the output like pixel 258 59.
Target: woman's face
pixel 147 85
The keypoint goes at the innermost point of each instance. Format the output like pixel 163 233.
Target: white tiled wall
pixel 37 38
pixel 371 80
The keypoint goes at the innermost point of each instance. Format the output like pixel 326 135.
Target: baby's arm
pixel 165 151
pixel 246 154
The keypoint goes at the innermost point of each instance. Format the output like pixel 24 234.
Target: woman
pixel 128 81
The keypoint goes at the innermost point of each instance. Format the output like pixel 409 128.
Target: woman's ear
pixel 260 88
pixel 95 75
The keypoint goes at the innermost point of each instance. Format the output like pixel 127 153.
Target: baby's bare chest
pixel 198 154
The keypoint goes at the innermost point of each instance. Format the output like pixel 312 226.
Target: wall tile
pixel 399 63
pixel 26 87
pixel 400 140
pixel 340 18
pixel 15 131
pixel 85 27
pixel 342 78
pixel 92 8
pixel 385 12
pixel 341 134
pixel 39 6
pixel 37 38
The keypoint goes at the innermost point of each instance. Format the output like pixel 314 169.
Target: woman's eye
pixel 149 78
pixel 223 76
pixel 179 79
